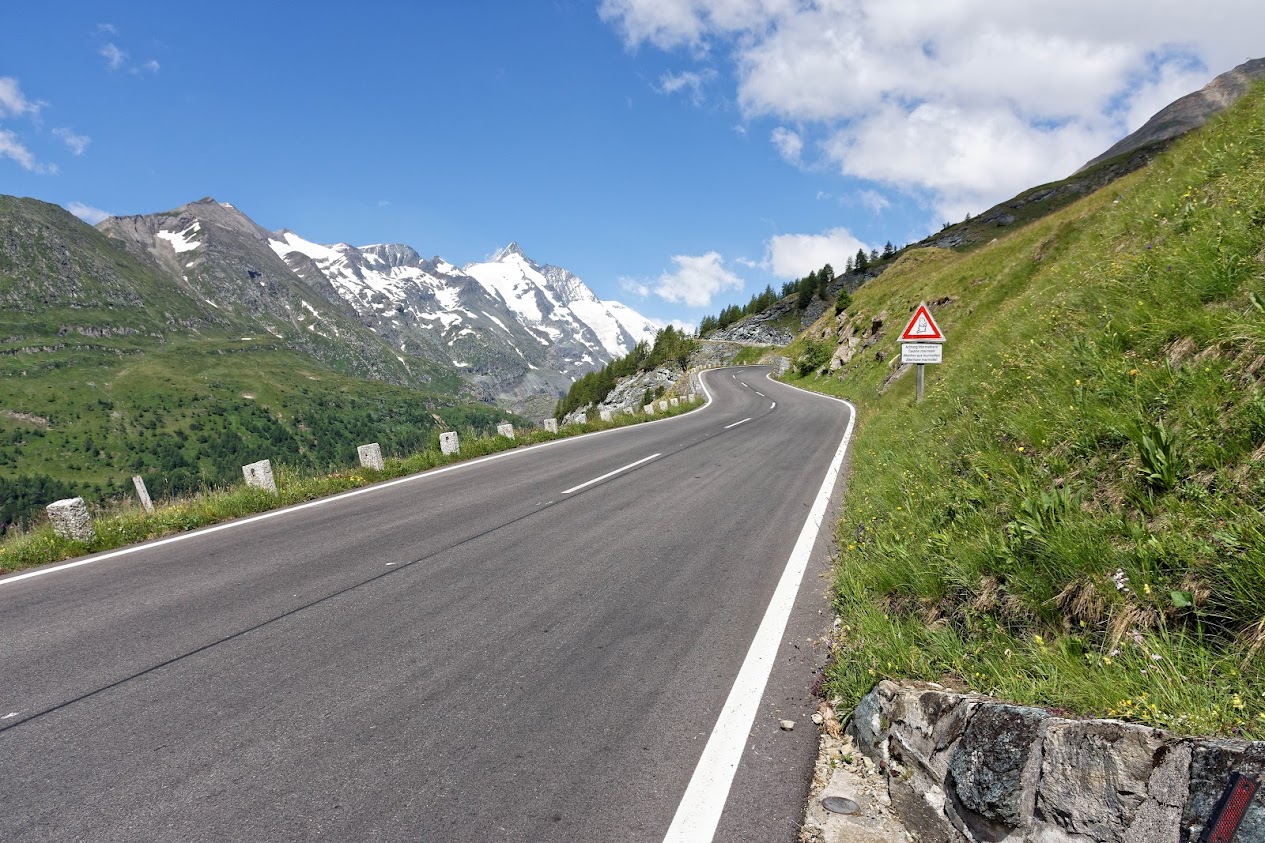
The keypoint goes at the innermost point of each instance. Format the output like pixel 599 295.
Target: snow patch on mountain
pixel 182 241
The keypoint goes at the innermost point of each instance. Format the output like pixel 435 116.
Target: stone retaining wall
pixel 964 767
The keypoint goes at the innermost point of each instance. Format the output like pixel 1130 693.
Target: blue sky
pixel 676 154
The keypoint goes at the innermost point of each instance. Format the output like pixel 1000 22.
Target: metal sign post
pixel 921 343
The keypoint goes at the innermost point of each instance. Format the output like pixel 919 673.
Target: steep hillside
pixel 1074 514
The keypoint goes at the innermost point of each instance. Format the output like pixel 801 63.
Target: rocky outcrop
pixel 964 767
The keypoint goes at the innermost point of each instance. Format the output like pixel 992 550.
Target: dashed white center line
pixel 761 394
pixel 773 406
pixel 735 424
pixel 609 474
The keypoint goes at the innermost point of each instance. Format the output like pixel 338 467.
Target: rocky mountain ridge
pixel 1189 112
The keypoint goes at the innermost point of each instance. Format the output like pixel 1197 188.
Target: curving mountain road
pixel 519 648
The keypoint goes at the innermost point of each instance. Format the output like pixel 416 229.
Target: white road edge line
pixel 699 812
pixel 735 424
pixel 364 490
pixel 609 474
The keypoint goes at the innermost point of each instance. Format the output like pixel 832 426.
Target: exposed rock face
pixel 991 771
pixel 963 767
pixel 1191 111
pixel 629 393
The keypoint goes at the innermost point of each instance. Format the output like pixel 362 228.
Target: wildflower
pixel 1106 660
pixel 1137 637
pixel 1156 657
pixel 1237 702
pixel 1133 372
pixel 1121 580
pixel 1114 653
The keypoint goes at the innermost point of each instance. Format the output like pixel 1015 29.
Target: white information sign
pixel 921 352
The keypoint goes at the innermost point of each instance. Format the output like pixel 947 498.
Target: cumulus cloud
pixel 960 103
pixel 682 325
pixel 796 255
pixel 789 144
pixel 696 280
pixel 75 142
pixel 87 213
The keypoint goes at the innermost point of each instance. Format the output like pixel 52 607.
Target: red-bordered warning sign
pixel 922 328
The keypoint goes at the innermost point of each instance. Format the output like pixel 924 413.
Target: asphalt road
pixel 485 653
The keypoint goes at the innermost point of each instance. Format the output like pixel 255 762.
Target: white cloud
pixel 12 102
pixel 12 148
pixel 696 280
pixel 796 255
pixel 75 142
pixel 107 29
pixel 789 144
pixel 682 325
pixel 151 66
pixel 961 103
pixel 688 81
pixel 632 285
pixel 114 57
pixel 876 202
pixel 87 213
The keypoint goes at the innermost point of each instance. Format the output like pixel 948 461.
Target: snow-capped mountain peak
pixel 557 303
pixel 508 323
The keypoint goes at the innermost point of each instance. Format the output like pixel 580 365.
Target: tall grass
pixel 1073 515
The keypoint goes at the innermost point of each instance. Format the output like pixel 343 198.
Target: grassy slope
pixel 1073 516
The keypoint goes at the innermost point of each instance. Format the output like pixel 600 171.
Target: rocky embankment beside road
pixel 965 768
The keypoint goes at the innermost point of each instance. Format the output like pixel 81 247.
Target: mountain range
pixel 509 327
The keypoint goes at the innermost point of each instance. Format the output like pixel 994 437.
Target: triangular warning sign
pixel 922 328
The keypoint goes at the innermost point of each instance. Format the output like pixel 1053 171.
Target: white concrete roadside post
pixel 650 409
pixel 605 415
pixel 259 474
pixel 506 430
pixel 551 425
pixel 143 493
pixel 70 519
pixel 449 443
pixel 663 405
pixel 370 456
pixel 674 401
